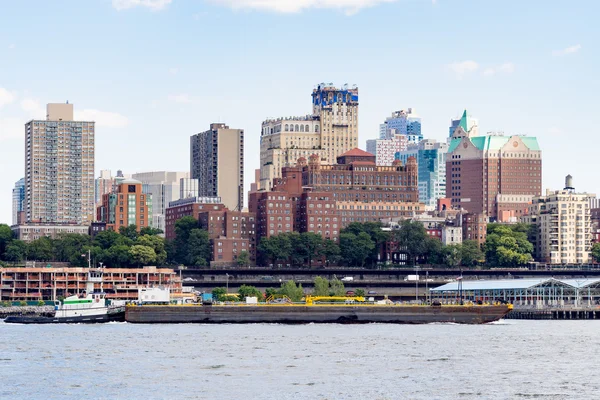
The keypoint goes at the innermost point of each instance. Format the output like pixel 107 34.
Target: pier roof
pixel 517 284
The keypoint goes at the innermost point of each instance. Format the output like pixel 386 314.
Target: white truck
pixel 411 278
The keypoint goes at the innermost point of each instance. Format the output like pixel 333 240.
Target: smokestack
pixel 569 183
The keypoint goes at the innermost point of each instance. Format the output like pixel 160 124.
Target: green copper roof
pixel 463 122
pixel 486 143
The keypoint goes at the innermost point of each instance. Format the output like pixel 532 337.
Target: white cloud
pixel 173 70
pixel 6 97
pixel 154 5
pixel 33 108
pixel 103 119
pixel 567 50
pixel 11 128
pixel 293 6
pixel 507 68
pixel 462 68
pixel 12 46
pixel 180 98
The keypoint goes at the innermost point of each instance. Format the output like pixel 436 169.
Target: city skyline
pixel 154 79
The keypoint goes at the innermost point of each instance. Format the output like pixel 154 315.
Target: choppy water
pixel 507 360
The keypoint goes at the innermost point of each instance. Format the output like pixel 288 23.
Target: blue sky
pixel 153 72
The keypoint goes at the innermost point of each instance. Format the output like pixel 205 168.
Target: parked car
pixel 350 293
pixel 372 292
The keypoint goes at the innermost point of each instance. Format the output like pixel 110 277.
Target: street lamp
pixel 227 283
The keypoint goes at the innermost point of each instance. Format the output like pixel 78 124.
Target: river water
pixel 505 360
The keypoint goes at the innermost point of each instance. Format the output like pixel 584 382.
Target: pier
pixel 554 314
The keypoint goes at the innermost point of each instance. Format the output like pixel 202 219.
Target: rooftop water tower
pixel 569 183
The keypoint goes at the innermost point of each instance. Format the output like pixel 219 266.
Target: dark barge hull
pixel 29 319
pixel 299 314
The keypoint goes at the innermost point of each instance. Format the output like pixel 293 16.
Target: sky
pixel 151 73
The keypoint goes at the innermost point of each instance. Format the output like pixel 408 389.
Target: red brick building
pixel 479 168
pixel 474 227
pixel 128 205
pixel 190 207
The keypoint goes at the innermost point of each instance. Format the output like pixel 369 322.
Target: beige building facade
pixel 331 130
pixel 59 168
pixel 217 161
pixel 563 227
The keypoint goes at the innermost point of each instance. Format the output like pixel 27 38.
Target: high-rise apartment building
pixel 164 186
pixel 18 199
pixel 431 159
pixel 563 227
pixel 217 161
pixel 385 149
pixel 285 140
pixel 188 187
pixel 128 205
pixel 331 129
pixel 59 168
pixel 403 122
pixel 105 184
pixel 479 168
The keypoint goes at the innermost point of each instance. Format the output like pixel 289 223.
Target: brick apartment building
pixel 128 205
pixel 479 168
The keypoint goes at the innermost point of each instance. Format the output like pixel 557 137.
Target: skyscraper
pixel 18 199
pixel 164 186
pixel 404 122
pixel 481 168
pixel 217 161
pixel 59 168
pixel 431 159
pixel 385 149
pixel 331 130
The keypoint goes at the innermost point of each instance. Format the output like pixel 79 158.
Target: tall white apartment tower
pixel 59 168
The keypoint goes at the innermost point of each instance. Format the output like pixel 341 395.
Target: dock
pixel 554 314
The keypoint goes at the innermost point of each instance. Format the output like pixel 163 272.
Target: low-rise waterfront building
pixel 33 231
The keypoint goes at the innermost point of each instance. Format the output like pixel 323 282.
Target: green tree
pixel 181 245
pixel 470 253
pixel 321 287
pixel 70 246
pixel 147 230
pixel 198 248
pixel 412 239
pixel 142 255
pixel 249 291
pixel 243 259
pixel 117 256
pixel 289 289
pixel 331 251
pixel 6 236
pixel 129 231
pixel 157 243
pixel 355 249
pixel 452 255
pixel 16 251
pixel 377 235
pixel 336 288
pixel 275 248
pixel 41 249
pixel 434 251
pixel 310 246
pixel 107 239
pixel 359 292
pixel 596 252
pixel 219 294
pixel 506 247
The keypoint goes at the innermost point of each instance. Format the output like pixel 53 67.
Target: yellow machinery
pixel 311 299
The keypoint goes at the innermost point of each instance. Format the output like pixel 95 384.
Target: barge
pixel 353 312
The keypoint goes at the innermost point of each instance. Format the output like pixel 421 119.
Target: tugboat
pixel 88 307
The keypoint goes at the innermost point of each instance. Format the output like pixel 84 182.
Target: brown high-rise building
pixel 480 168
pixel 59 168
pixel 217 161
pixel 128 205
